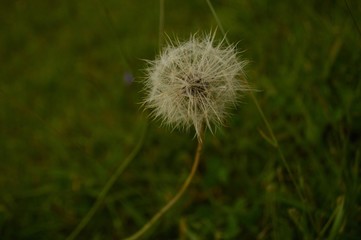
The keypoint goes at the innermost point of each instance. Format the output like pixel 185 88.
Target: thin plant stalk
pixel 175 199
pixel 107 187
pixel 217 19
pixel 272 140
pixel 275 143
pixel 161 22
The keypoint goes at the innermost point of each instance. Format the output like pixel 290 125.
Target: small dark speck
pixel 128 78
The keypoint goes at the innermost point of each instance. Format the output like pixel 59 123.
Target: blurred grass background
pixel 69 116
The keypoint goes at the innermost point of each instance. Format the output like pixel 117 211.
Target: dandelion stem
pixel 180 193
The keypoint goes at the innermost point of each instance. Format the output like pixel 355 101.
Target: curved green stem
pixel 180 193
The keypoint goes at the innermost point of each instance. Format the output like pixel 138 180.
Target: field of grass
pixel 70 115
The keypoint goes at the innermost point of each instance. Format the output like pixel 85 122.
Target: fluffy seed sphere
pixel 193 83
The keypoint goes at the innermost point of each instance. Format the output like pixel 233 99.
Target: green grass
pixel 68 120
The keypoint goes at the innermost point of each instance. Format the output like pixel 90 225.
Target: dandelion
pixel 194 83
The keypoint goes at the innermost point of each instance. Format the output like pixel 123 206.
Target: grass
pixel 68 120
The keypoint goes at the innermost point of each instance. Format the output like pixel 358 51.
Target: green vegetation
pixel 68 119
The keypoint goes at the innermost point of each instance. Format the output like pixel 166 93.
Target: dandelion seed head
pixel 194 83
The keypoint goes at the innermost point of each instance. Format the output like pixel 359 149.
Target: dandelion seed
pixel 194 83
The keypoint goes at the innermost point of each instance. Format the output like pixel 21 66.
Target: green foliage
pixel 68 119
